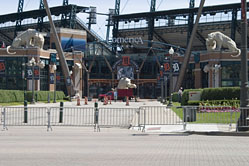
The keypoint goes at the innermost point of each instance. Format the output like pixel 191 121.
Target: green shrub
pixel 225 93
pixel 175 97
pixel 220 94
pixel 194 102
pixel 185 97
pixel 43 95
pixel 7 96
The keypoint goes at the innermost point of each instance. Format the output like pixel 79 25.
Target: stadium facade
pixel 139 50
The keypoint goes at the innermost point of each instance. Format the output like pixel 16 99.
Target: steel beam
pixel 64 16
pixel 190 19
pixel 242 122
pixel 7 39
pixel 151 22
pixel 179 12
pixel 63 62
pixel 188 51
pixel 19 21
pixel 234 23
pixel 115 24
pixel 201 38
pixel 40 19
pixel 72 17
pixel 160 38
pixel 244 64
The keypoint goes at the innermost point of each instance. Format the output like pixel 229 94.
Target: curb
pixel 218 133
pixel 187 133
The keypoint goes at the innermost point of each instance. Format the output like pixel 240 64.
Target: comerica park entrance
pixel 147 69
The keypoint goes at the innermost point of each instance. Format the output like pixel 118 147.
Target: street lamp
pixel 171 52
pixel 165 88
pixel 161 76
pixel 23 77
pixel 54 69
pixel 216 69
pixel 32 63
pixel 70 74
pixel 244 69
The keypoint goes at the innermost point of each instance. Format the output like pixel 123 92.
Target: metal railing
pixel 158 115
pixel 25 116
pixel 1 116
pixel 71 116
pixel 211 114
pixel 84 25
pixel 243 119
pixel 223 118
pixel 117 117
pixel 206 118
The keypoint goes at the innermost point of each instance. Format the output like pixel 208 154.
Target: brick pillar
pixel 51 72
pixel 198 80
pixel 77 72
pixel 210 78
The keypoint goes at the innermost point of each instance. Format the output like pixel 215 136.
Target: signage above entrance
pixel 127 40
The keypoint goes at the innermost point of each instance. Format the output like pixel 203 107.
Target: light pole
pixel 171 52
pixel 70 73
pixel 23 77
pixel 165 88
pixel 215 74
pixel 242 122
pixel 54 68
pixel 32 63
pixel 161 76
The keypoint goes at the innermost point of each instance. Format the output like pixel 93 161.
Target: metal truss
pixel 40 19
pixel 19 21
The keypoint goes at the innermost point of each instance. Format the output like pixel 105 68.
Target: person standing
pixel 180 92
pixel 115 94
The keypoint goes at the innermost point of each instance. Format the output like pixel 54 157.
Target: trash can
pixel 189 114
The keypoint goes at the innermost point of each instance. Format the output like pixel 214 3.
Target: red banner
pixel 2 67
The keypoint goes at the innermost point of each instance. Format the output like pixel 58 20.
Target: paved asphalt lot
pixel 73 146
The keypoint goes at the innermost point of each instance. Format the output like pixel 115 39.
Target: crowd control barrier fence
pixel 190 117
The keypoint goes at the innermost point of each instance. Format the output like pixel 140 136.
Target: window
pixel 12 77
pixel 230 74
pixel 2 82
pixel 204 76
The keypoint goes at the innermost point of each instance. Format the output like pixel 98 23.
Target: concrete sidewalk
pixel 73 146
pixel 189 127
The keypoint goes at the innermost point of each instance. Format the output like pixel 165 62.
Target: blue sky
pixel 127 6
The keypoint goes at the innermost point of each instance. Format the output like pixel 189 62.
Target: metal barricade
pixel 159 115
pixel 243 119
pixel 25 116
pixel 72 116
pixel 223 118
pixel 210 118
pixel 117 117
pixel 2 122
pixel 1 116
